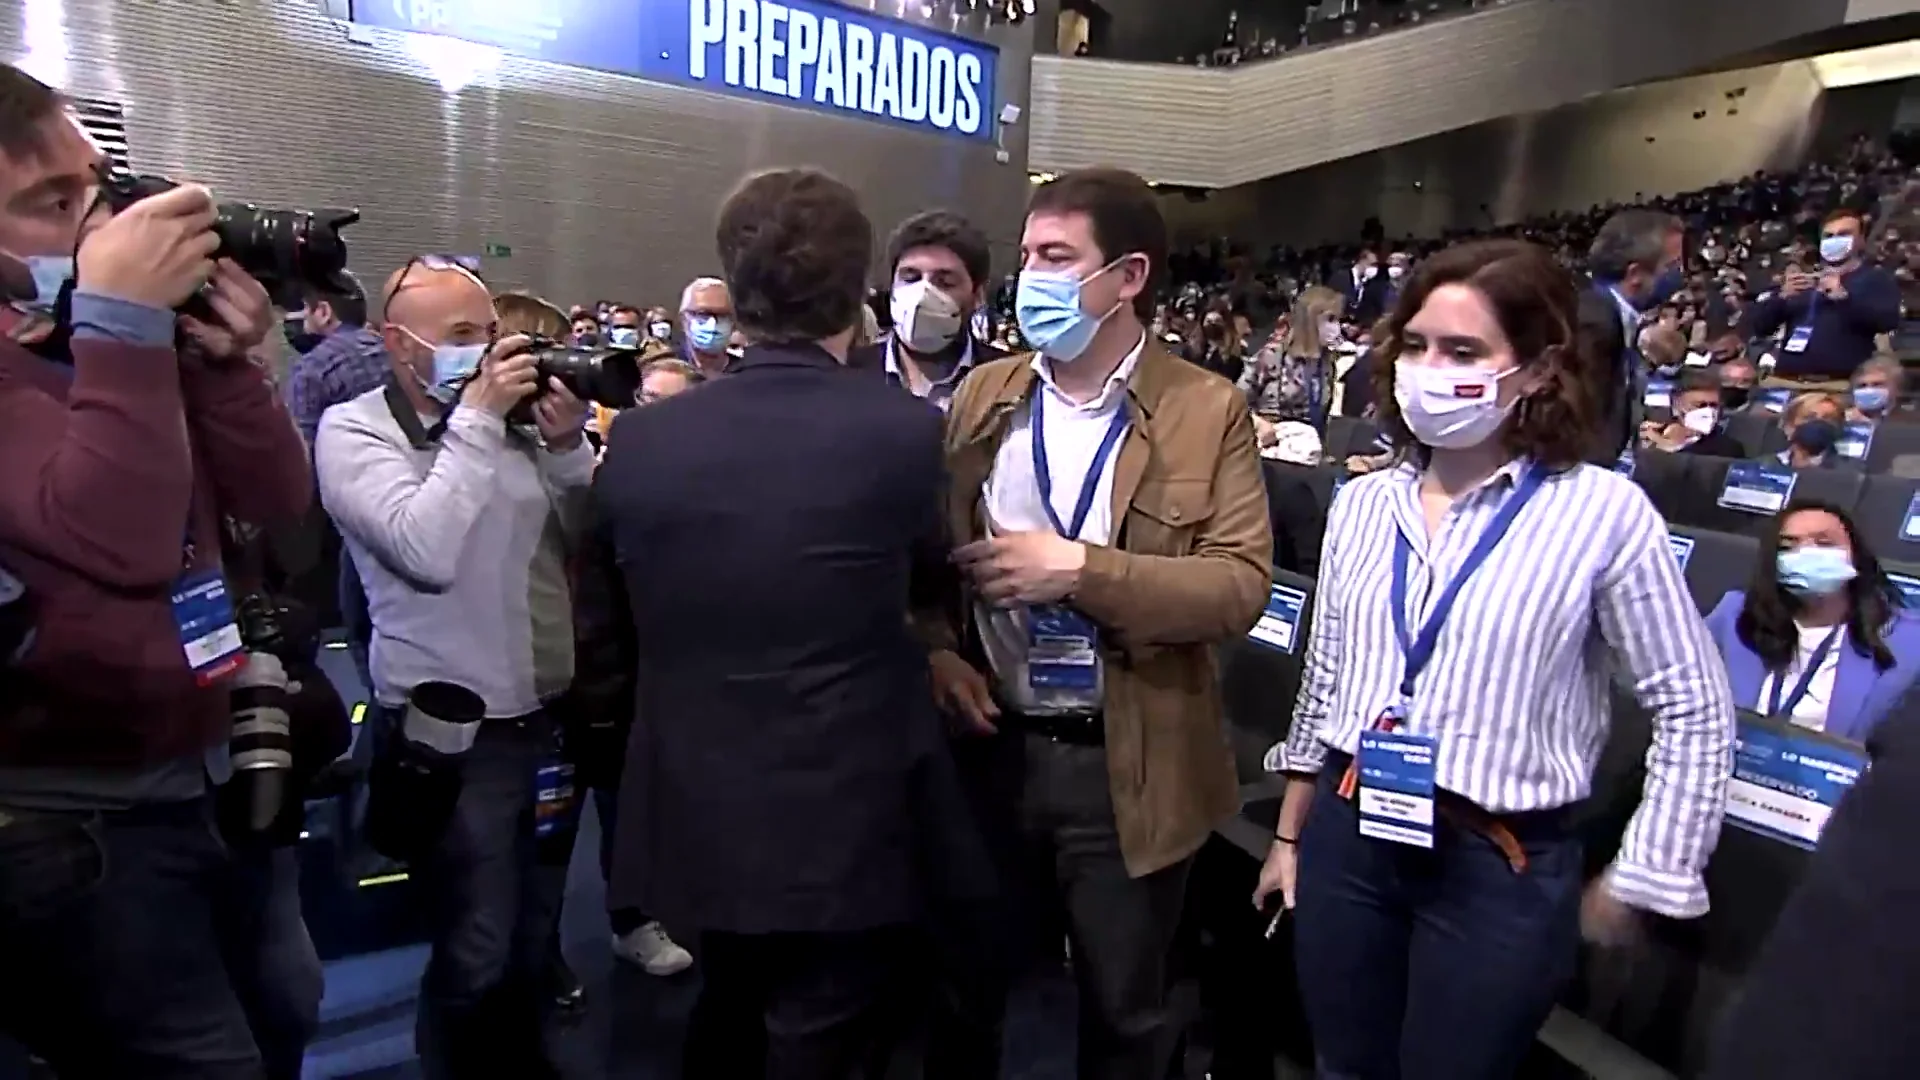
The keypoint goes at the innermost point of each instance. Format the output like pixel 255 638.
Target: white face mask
pixel 1700 421
pixel 1449 408
pixel 925 319
pixel 1396 272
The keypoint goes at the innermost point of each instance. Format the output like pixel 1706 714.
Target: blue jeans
pixel 137 945
pixel 492 910
pixel 1431 965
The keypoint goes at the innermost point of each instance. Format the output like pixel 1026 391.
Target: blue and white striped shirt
pixel 1517 693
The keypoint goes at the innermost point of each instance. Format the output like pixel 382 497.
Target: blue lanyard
pixel 1776 707
pixel 1317 394
pixel 1044 476
pixel 1419 650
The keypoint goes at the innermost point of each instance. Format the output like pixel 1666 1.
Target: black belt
pixel 1072 729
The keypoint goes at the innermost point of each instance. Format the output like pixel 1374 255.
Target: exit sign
pixel 498 251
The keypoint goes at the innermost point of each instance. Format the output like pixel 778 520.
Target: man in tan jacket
pixel 1112 525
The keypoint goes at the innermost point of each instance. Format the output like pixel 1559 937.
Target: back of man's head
pixel 1631 238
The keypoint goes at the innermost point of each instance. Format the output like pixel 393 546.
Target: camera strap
pixel 421 436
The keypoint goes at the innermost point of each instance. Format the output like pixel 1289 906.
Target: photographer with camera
pixel 458 521
pixel 126 431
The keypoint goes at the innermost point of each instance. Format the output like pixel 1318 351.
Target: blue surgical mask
pixel 623 336
pixel 1814 571
pixel 1047 303
pixel 453 365
pixel 709 333
pixel 1870 398
pixel 1835 249
pixel 50 274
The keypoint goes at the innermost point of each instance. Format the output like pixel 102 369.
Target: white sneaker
pixel 652 950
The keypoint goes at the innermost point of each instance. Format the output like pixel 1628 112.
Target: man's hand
pixel 1830 285
pixel 1024 567
pixel 506 378
pixel 962 692
pixel 561 417
pixel 1795 283
pixel 242 310
pixel 155 253
pixel 1605 919
pixel 1265 432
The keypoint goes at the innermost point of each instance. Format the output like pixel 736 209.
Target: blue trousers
pixel 1431 965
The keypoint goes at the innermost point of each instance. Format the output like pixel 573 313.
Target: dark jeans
pixel 1068 874
pixel 355 618
pixel 606 807
pixel 277 972
pixel 137 945
pixel 1431 965
pixel 796 1006
pixel 492 908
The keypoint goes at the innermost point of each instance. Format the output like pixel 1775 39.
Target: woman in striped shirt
pixel 1475 605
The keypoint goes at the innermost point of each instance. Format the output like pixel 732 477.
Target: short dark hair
pixel 1537 303
pixel 794 247
pixel 1842 212
pixel 623 309
pixel 943 229
pixel 1631 237
pixel 1698 378
pixel 1125 216
pixel 25 102
pixel 348 301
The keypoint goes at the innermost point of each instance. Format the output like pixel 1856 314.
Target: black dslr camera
pixel 280 248
pixel 603 374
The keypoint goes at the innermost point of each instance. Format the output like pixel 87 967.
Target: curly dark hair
pixel 1537 303
pixel 1765 624
pixel 794 247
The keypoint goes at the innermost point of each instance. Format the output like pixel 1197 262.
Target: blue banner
pixel 1786 781
pixel 808 53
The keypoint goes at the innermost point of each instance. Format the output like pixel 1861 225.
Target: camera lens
pixel 285 245
pixel 606 375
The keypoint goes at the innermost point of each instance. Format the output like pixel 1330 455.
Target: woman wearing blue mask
pixel 1820 637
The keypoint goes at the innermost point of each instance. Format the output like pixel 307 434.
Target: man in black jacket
pixel 940 265
pixel 1833 992
pixel 781 782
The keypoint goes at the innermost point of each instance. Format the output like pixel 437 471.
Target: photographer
pixel 457 522
pixel 119 909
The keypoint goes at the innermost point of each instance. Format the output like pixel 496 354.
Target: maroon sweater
pixel 97 474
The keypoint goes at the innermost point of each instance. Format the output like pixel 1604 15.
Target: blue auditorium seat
pixel 1715 563
pixel 1260 674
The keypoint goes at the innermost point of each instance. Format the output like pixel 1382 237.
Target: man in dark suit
pixel 777 786
pixel 1367 289
pixel 940 264
pixel 1833 992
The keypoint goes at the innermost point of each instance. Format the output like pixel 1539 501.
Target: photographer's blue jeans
pixel 132 944
pixel 492 911
pixel 1429 965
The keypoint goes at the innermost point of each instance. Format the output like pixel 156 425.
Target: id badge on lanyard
pixel 1396 765
pixel 203 614
pixel 1063 646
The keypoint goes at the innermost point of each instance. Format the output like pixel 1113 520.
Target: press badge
pixel 1797 339
pixel 555 799
pixel 208 633
pixel 1062 653
pixel 1396 787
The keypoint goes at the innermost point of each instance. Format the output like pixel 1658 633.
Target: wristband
pixel 1290 841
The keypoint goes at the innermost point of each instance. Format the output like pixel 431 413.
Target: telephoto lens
pixel 415 780
pixel 606 375
pixel 261 745
pixel 278 247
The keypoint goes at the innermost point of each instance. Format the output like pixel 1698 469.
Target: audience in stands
pixel 1831 317
pixel 1820 638
pixel 1695 424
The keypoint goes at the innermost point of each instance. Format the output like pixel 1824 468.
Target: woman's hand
pixel 1278 874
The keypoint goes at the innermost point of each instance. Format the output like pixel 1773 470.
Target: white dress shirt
pixel 1811 711
pixel 1583 588
pixel 1074 433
